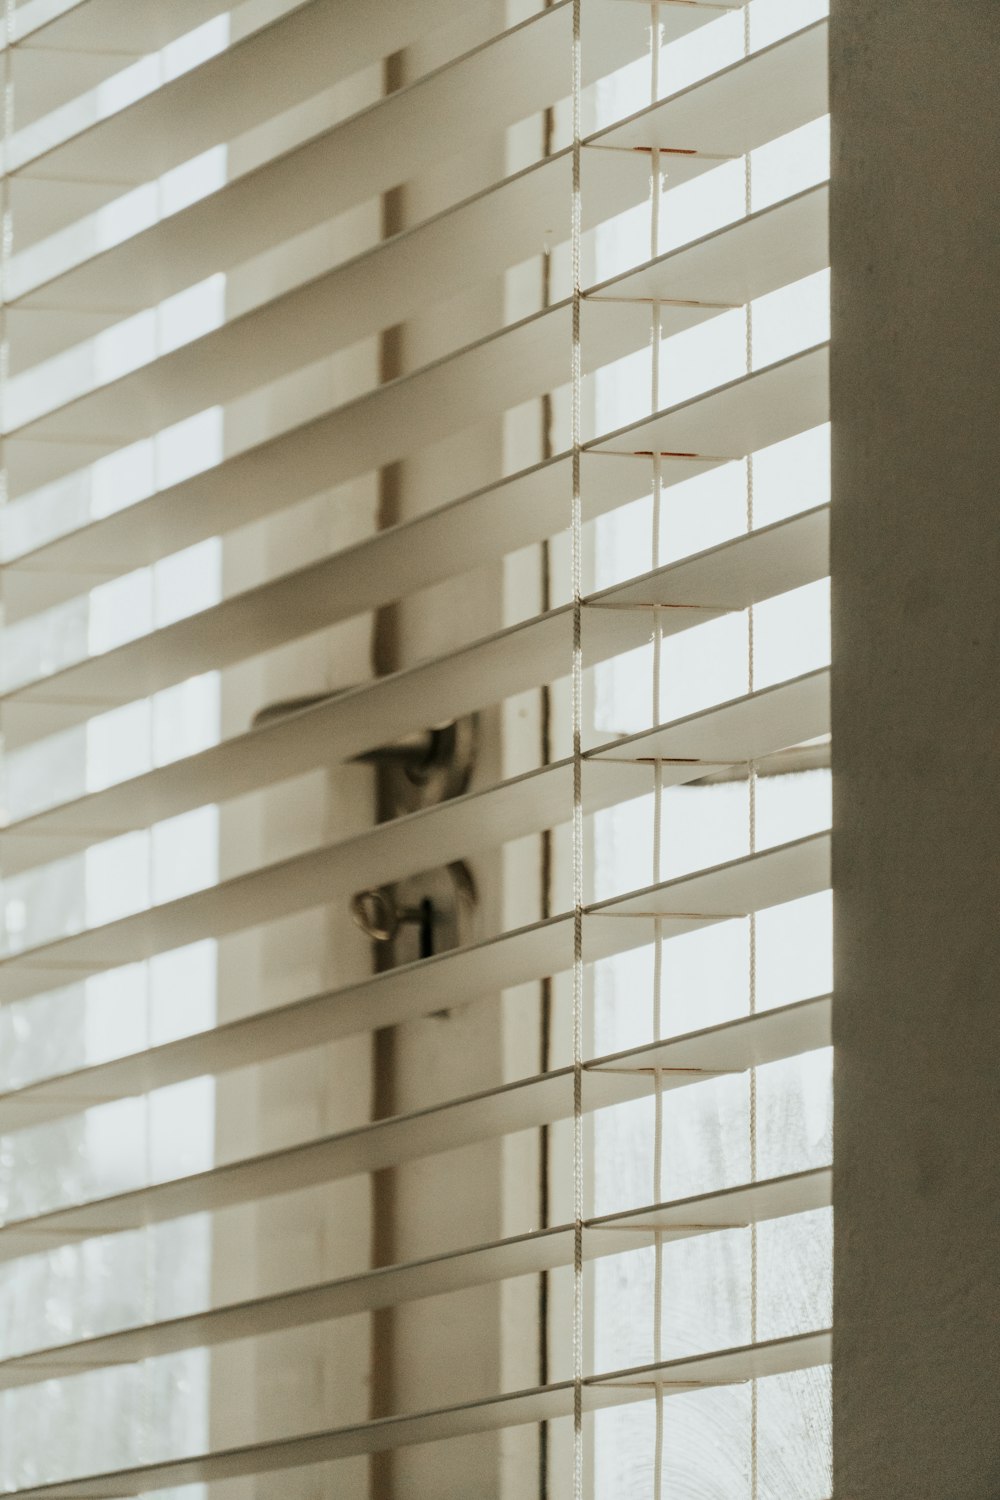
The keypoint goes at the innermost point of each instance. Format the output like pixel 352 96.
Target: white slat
pixel 761 408
pixel 779 717
pixel 331 589
pixel 777 402
pixel 129 673
pixel 303 52
pixel 264 894
pixel 730 1366
pixel 736 419
pixel 732 1047
pixel 755 100
pixel 375 289
pixel 512 661
pixel 60 462
pixel 523 1255
pixel 290 194
pixel 735 265
pixel 728 267
pixel 384 424
pixel 490 231
pixel 776 714
pixel 92 266
pixel 772 560
pixel 418 989
pixel 427 262
pixel 747 728
pixel 784 873
pixel 183 383
pixel 743 258
pixel 136 26
pixel 786 555
pixel 732 1208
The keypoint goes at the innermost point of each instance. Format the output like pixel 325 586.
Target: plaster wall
pixel 916 564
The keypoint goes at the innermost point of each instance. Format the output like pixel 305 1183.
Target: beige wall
pixel 916 553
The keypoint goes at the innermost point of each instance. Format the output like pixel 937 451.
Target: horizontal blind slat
pixel 290 59
pixel 388 423
pixel 639 173
pixel 752 728
pixel 739 262
pixel 733 1047
pixel 738 573
pixel 799 384
pixel 746 728
pixel 313 1021
pixel 375 289
pixel 529 505
pixel 281 197
pixel 512 75
pixel 248 216
pixel 728 267
pixel 741 571
pixel 383 425
pixel 541 1250
pixel 529 953
pixel 154 527
pixel 777 402
pixel 736 110
pixel 758 1361
pixel 786 555
pixel 264 894
pixel 86 25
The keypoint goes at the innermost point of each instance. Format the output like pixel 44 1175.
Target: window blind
pixel 350 348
